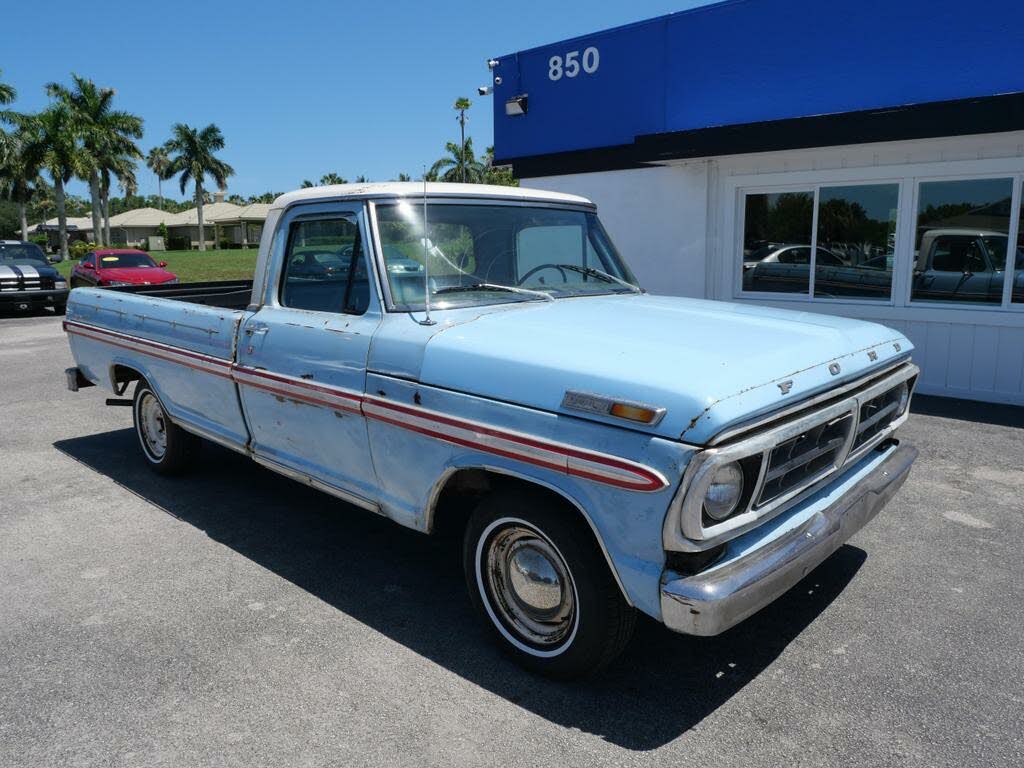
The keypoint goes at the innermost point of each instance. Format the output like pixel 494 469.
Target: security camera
pixel 492 63
pixel 485 90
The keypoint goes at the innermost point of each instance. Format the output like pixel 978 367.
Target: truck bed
pixel 229 294
pixel 180 338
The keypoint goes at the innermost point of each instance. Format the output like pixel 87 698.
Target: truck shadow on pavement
pixel 410 588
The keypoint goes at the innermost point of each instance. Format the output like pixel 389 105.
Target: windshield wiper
pixel 494 287
pixel 598 273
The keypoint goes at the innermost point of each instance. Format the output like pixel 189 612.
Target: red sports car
pixel 120 266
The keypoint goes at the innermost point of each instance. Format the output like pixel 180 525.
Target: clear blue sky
pixel 298 88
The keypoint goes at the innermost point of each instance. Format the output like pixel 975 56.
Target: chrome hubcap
pixel 152 426
pixel 530 585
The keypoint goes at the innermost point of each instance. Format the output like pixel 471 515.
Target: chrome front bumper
pixel 711 602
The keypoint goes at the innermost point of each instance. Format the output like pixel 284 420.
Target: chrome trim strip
pixel 570 460
pixel 319 485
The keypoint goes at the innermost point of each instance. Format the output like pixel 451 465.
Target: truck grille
pixel 797 462
pixel 25 283
pixel 877 414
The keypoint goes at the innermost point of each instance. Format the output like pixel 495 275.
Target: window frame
pixel 909 178
pixel 815 189
pixel 283 236
pixel 378 255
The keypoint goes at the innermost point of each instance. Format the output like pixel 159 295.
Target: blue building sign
pixel 757 75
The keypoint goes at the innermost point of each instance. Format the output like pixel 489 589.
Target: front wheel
pixel 168 448
pixel 540 583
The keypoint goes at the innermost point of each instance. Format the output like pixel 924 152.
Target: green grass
pixel 199 266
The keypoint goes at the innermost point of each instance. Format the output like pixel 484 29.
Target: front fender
pixel 412 468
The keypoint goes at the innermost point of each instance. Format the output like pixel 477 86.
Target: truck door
pixel 302 355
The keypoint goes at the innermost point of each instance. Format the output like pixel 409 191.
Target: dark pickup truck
pixel 27 281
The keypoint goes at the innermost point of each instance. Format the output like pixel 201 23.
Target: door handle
pixel 256 331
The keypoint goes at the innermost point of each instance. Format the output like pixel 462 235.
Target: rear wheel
pixel 168 448
pixel 540 583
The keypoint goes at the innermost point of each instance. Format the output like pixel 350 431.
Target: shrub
pixel 79 248
pixel 178 243
pixel 41 240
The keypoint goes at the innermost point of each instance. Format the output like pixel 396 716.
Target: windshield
pixel 25 254
pixel 490 254
pixel 124 260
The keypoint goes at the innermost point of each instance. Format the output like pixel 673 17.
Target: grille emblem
pixel 872 355
pixel 834 369
pixel 785 386
pixel 897 346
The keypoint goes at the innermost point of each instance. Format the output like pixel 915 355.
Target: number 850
pixel 571 65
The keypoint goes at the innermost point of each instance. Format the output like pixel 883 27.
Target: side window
pixel 951 254
pixel 795 256
pixel 324 268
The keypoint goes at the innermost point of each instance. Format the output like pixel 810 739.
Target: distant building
pixel 240 226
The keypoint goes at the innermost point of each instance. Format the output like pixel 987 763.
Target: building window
pixel 961 240
pixel 856 240
pixel 777 241
pixel 1017 292
pixel 849 255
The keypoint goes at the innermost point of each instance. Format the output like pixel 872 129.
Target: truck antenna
pixel 426 257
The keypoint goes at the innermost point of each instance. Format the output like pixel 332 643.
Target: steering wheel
pixel 538 268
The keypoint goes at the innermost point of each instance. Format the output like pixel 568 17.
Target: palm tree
pixel 19 173
pixel 306 184
pixel 51 138
pixel 192 153
pixel 7 92
pixel 332 178
pixel 360 179
pixel 404 177
pixel 157 161
pixel 107 136
pixel 123 168
pixel 460 164
pixel 461 105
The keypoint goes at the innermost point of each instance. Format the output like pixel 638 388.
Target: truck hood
pixel 137 275
pixel 709 364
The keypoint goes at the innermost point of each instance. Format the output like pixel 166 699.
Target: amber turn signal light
pixel 634 413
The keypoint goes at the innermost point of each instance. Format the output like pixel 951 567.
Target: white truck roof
pixel 413 189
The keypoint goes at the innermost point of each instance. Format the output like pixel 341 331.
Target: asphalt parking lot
pixel 237 618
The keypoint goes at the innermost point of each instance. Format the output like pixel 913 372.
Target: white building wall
pixel 657 218
pixel 678 227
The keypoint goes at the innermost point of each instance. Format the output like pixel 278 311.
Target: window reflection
pixel 856 240
pixel 961 240
pixel 776 242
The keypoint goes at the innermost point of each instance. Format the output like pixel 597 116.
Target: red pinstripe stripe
pixel 650 480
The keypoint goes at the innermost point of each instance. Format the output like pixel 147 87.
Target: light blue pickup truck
pixel 481 359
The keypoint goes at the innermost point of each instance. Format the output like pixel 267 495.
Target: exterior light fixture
pixel 517 105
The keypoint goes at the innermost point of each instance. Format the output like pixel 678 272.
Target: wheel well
pixel 461 491
pixel 121 376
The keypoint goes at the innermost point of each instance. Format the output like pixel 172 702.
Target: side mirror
pixel 87 265
pixel 162 264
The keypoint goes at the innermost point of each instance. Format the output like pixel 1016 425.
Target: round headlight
pixel 904 399
pixel 725 491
